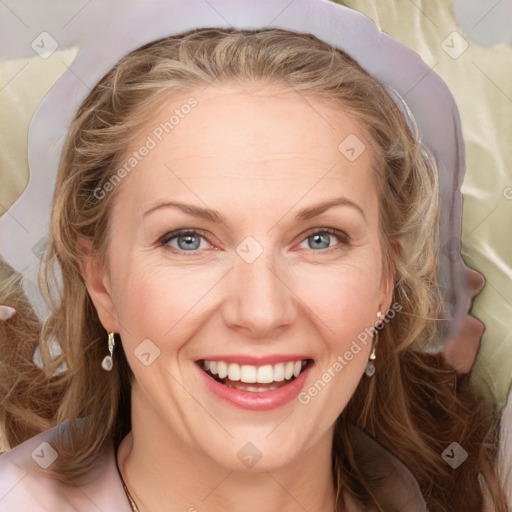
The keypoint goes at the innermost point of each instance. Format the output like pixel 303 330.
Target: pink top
pixel 24 486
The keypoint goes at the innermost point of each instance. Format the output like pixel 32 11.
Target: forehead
pixel 250 135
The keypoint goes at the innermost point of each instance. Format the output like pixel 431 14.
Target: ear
pixel 97 281
pixel 387 285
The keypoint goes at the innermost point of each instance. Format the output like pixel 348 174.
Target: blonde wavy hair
pixel 415 405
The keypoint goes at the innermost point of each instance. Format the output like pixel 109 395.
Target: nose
pixel 260 300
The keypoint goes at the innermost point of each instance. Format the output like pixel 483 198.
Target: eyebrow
pixel 217 218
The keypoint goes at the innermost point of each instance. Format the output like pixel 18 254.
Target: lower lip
pixel 255 400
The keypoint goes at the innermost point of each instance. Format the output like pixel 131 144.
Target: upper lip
pixel 256 360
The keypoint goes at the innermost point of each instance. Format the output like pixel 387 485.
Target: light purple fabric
pixel 25 487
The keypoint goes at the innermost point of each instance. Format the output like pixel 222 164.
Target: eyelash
pixel 343 237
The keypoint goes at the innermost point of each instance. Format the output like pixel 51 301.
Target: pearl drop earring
pixel 370 367
pixel 108 363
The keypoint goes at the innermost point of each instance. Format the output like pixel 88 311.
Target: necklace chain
pixel 128 495
pixel 130 499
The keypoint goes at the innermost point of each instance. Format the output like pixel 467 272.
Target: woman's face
pixel 260 288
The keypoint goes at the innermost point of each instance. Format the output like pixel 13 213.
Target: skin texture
pixel 258 156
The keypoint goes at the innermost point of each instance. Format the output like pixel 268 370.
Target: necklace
pixel 128 495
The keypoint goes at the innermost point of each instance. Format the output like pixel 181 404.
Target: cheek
pixel 156 301
pixel 151 304
pixel 345 303
pixel 344 297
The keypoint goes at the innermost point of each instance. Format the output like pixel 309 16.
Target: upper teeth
pixel 250 374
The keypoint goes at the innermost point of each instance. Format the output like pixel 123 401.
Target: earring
pixel 108 363
pixel 370 367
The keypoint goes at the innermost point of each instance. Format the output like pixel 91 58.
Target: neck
pixel 162 473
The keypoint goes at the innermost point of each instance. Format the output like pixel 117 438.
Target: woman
pixel 253 360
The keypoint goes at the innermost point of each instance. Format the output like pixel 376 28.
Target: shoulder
pixel 26 487
pixel 21 485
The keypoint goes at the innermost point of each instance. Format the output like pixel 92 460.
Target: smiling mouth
pixel 246 377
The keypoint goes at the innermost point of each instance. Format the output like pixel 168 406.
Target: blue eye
pixel 321 239
pixel 189 240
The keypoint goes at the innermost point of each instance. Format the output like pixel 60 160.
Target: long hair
pixel 415 405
